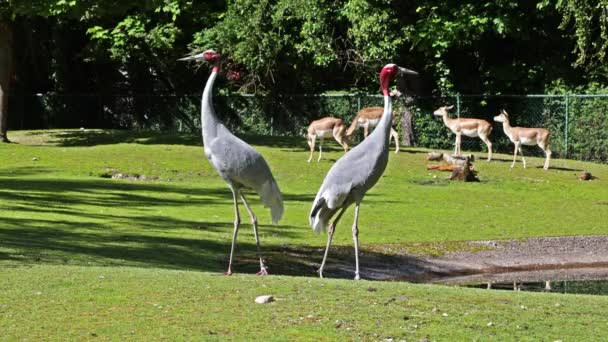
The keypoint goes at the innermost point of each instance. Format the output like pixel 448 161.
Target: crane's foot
pixel 263 271
pixel 357 277
pixel 228 273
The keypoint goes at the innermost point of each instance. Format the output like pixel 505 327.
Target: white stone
pixel 264 299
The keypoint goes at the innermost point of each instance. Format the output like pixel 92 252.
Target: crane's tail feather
pixel 320 215
pixel 271 198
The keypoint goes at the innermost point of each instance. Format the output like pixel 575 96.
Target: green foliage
pixel 440 28
pixel 373 29
pixel 589 22
pixel 587 118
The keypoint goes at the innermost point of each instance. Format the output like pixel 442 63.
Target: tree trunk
pixel 6 72
pixel 408 135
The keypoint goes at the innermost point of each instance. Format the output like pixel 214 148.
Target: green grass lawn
pixel 120 303
pixel 60 219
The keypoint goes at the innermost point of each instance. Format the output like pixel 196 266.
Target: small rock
pixel 490 324
pixel 264 299
pixel 445 314
pixel 585 176
pixel 35 159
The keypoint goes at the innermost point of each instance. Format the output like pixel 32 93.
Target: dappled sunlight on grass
pixel 55 207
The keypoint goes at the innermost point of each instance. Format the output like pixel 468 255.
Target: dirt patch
pixel 114 174
pixel 534 259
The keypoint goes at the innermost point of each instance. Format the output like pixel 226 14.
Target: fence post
pixel 358 103
pixel 458 105
pixel 566 126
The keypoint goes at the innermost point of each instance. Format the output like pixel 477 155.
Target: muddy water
pixel 591 287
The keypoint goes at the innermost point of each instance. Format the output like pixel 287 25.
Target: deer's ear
pixel 449 107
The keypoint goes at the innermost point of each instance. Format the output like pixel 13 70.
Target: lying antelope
pixel 325 127
pixel 468 127
pixel 525 136
pixel 368 118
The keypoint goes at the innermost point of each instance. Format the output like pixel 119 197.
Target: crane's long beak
pixel 192 58
pixel 404 71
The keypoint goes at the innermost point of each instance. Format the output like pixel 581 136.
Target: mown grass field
pixel 63 224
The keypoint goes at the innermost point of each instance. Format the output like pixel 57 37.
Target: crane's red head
pixel 388 73
pixel 210 56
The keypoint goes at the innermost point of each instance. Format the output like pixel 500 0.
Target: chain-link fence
pixel 578 123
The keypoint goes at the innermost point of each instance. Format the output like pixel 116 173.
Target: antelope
pixel 468 127
pixel 525 136
pixel 325 127
pixel 368 118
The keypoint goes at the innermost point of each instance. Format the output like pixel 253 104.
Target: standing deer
pixel 468 127
pixel 325 127
pixel 367 118
pixel 525 136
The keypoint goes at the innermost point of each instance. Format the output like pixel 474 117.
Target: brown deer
pixel 326 127
pixel 468 127
pixel 368 118
pixel 525 136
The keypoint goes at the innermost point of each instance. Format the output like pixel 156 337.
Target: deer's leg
pixel 547 155
pixel 356 241
pixel 320 148
pixel 515 154
pixel 330 234
pixel 311 144
pixel 366 129
pixel 339 136
pixel 254 223
pixel 395 136
pixel 237 222
pixel 523 159
pixel 458 139
pixel 488 143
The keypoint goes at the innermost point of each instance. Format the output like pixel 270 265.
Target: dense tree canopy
pixel 304 46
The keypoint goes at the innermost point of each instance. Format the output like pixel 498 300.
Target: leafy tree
pixel 587 22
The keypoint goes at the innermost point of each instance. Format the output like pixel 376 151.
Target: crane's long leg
pixel 330 235
pixel 356 240
pixel 237 222
pixel 254 223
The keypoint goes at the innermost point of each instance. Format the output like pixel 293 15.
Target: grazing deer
pixel 468 127
pixel 368 118
pixel 325 127
pixel 525 136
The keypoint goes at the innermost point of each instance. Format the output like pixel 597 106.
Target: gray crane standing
pixel 236 162
pixel 355 173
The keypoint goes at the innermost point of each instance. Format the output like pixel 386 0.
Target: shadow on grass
pixel 108 223
pixel 560 168
pixel 86 138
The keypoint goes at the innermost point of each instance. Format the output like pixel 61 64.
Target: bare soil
pixel 534 259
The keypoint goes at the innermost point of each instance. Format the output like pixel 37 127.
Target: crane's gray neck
pixel 209 120
pixel 387 117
